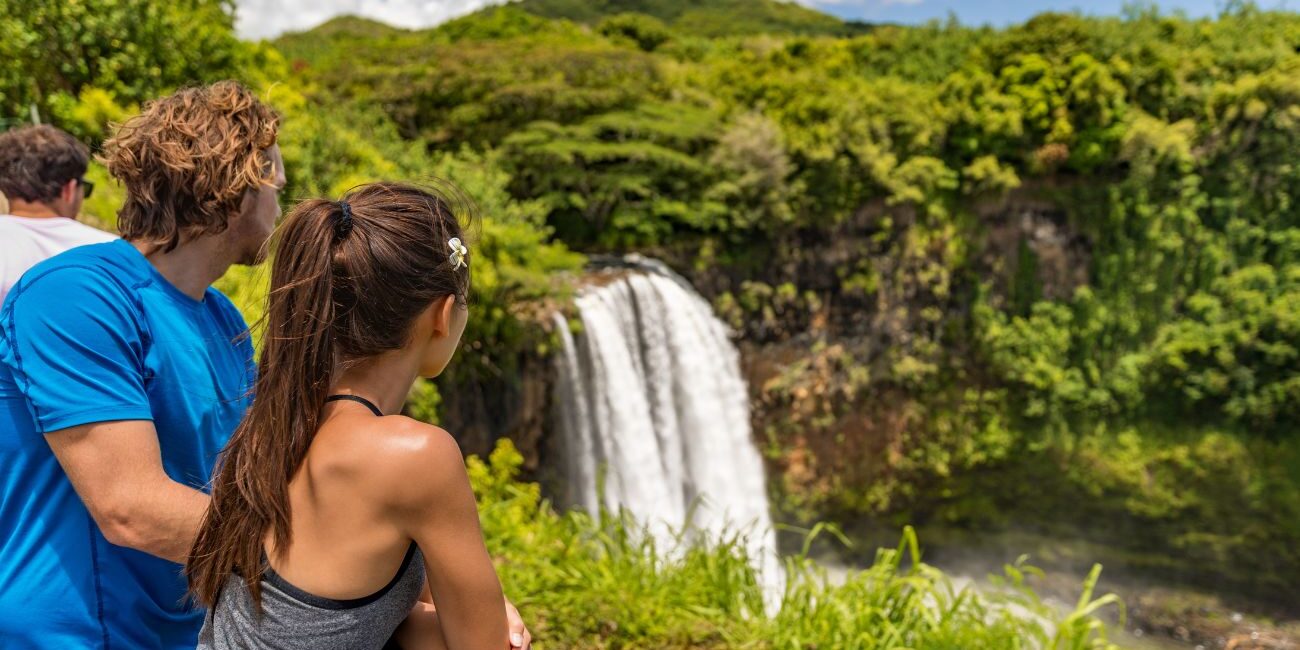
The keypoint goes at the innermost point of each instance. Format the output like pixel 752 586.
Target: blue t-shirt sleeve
pixel 78 343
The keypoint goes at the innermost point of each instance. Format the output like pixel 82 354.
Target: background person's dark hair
pixel 335 299
pixel 37 161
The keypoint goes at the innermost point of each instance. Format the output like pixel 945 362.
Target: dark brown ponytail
pixel 348 280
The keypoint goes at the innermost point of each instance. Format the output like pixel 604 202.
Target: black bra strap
pixel 322 602
pixel 359 400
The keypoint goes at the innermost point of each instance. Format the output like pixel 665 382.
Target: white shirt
pixel 26 241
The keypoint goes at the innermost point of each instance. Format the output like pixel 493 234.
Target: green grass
pixel 594 582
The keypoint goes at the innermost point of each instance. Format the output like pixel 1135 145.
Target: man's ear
pixel 68 193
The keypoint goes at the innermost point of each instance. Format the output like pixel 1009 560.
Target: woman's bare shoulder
pixel 407 461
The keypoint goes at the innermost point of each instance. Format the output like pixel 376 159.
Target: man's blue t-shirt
pixel 93 335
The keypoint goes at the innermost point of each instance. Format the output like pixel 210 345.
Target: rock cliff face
pixel 514 405
pixel 852 344
pixel 842 338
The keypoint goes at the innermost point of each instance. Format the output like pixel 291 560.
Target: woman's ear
pixel 442 311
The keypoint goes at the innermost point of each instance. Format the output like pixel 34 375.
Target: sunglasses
pixel 87 186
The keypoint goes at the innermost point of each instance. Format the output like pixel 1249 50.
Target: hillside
pixel 331 36
pixel 347 26
pixel 704 17
pixel 649 22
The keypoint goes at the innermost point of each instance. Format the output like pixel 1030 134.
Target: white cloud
pixel 269 18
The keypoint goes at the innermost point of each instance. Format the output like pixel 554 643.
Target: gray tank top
pixel 292 619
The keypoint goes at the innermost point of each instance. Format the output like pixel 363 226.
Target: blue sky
pixel 268 18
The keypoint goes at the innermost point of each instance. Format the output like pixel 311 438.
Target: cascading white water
pixel 650 397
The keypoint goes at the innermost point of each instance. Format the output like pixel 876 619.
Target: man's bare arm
pixel 116 468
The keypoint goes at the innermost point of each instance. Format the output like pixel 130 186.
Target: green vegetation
pixel 596 583
pixel 1045 276
pixel 79 61
pixel 714 18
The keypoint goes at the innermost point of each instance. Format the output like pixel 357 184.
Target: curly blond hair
pixel 187 161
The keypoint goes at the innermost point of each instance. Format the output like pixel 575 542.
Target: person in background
pixel 42 174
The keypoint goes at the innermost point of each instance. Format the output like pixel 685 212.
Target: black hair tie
pixel 343 224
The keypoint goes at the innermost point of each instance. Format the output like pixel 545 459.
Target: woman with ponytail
pixel 329 511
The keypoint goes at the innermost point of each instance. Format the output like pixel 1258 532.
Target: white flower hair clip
pixel 458 252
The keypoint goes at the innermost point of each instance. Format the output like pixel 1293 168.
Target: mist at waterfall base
pixel 653 416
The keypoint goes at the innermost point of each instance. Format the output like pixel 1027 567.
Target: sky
pixel 268 18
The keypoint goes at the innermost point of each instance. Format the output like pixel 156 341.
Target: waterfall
pixel 650 399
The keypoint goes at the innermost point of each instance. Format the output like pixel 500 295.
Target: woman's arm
pixel 520 637
pixel 420 630
pixel 433 503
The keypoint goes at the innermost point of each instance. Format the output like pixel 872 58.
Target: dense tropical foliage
pixel 1045 276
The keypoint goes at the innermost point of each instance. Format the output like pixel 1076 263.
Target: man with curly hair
pixel 123 373
pixel 44 170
